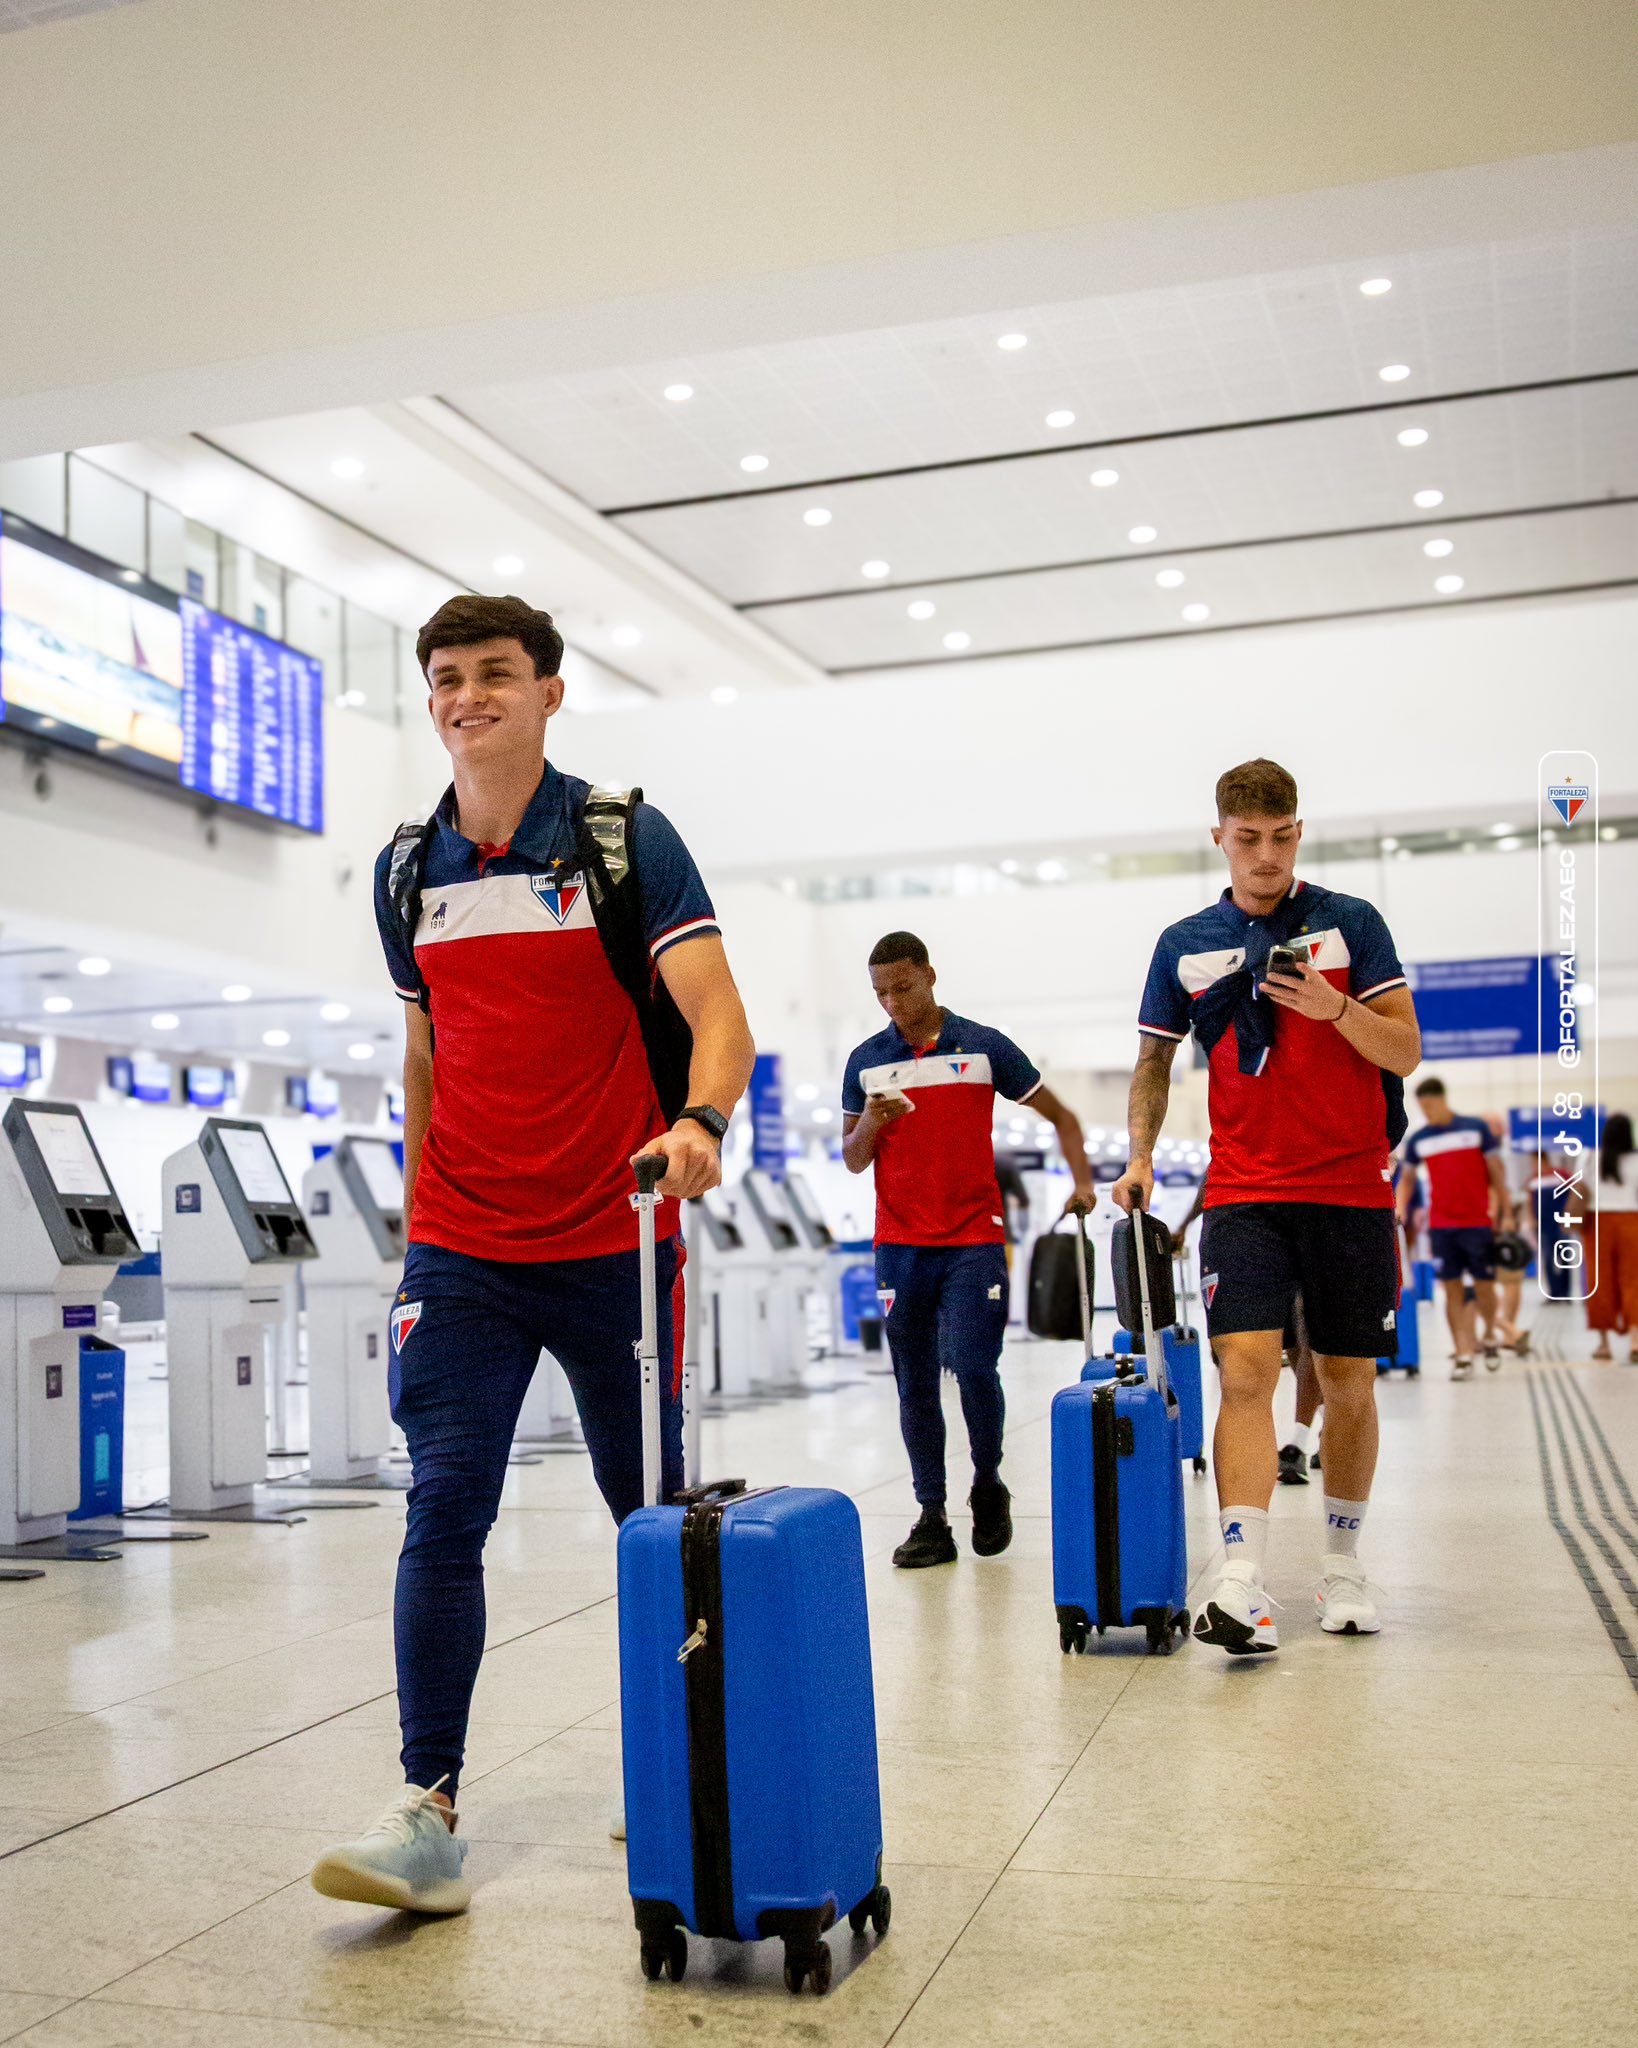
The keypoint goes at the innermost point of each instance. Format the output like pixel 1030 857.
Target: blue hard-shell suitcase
pixel 749 1725
pixel 1119 1553
pixel 1182 1348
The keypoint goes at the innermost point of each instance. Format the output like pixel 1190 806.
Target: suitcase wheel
pixel 1200 1468
pixel 803 1963
pixel 874 1909
pixel 1072 1636
pixel 1158 1628
pixel 669 1956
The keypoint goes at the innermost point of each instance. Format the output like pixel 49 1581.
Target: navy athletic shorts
pixel 1257 1257
pixel 1468 1252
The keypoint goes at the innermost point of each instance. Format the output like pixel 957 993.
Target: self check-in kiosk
pixel 232 1233
pixel 63 1233
pixel 731 1287
pixel 791 1278
pixel 353 1199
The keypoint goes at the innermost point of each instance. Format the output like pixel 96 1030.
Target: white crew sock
pixel 1342 1520
pixel 1245 1540
pixel 1302 1435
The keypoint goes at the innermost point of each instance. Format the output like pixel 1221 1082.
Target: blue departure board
pixel 252 719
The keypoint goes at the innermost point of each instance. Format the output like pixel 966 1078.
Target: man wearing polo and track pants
pixel 530 1084
pixel 918 1102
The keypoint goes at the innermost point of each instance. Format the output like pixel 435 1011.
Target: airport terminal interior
pixel 947 438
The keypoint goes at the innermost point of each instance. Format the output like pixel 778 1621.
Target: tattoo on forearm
pixel 1146 1101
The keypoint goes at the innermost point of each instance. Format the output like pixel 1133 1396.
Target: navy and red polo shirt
pixel 1312 1126
pixel 935 1169
pixel 541 1089
pixel 1455 1157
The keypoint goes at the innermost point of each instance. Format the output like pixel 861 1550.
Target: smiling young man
pixel 534 1071
pixel 1306 1103
pixel 918 1102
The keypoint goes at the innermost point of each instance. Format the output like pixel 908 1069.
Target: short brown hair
pixel 1256 789
pixel 466 620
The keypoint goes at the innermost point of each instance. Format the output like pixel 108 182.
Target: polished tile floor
pixel 1424 1838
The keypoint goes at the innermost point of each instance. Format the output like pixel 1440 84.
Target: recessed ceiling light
pixel 1194 613
pixel 753 465
pixel 347 467
pixel 1412 437
pixel 1426 500
pixel 1447 586
pixel 1436 550
pixel 1051 871
pixel 351 700
pixel 1374 287
pixel 1169 579
pixel 508 565
pixel 130 575
pixel 1103 478
pixel 59 1006
pixel 1389 843
pixel 921 608
pixel 236 992
pixel 275 1038
pixel 164 1020
pixel 1394 373
pixel 1140 536
pixel 627 636
pixel 822 1115
pixel 816 515
pixel 361 1051
pixel 1010 867
pixel 679 393
pixel 958 642
pixel 725 693
pixel 807 1092
pixel 1501 831
pixel 335 1013
pixel 875 570
pixel 1062 417
pixel 1012 341
pixel 94 963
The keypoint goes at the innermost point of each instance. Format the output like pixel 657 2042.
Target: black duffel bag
pixel 1055 1283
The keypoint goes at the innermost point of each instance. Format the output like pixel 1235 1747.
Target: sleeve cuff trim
pixel 1160 1031
pixel 1382 988
pixel 696 928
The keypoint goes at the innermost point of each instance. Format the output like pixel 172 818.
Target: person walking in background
pixel 1468 1200
pixel 1612 1260
pixel 1307 1048
pixel 918 1103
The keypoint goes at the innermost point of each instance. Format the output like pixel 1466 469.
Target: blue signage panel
pixel 206 1087
pixel 252 719
pixel 1485 1009
pixel 767 1097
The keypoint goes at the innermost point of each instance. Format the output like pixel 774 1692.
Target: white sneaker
pixel 1461 1369
pixel 1492 1358
pixel 410 1859
pixel 1345 1604
pixel 617 1822
pixel 1236 1616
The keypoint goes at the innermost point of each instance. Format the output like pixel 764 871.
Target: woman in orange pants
pixel 1613 1304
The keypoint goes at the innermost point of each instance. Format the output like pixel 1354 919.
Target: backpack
pixel 604 846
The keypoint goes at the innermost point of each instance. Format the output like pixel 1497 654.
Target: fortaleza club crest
pixel 1569 799
pixel 558 894
pixel 887 1296
pixel 1208 1288
pixel 404 1319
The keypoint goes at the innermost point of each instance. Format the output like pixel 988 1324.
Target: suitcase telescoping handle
pixel 1083 1273
pixel 650 1170
pixel 1154 1351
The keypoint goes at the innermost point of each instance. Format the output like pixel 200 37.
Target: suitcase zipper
pixel 1106 1505
pixel 702 1660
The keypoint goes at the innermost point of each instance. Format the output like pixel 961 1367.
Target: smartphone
pixel 1282 960
pixel 891 1095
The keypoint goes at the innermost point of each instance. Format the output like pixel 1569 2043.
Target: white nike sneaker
pixel 617 1822
pixel 1345 1604
pixel 1461 1368
pixel 410 1859
pixel 1236 1616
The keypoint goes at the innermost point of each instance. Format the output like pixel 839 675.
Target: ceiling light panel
pixel 1137 362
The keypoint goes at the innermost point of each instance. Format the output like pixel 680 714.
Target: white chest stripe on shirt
pixel 1328 950
pixel 1448 1141
pixel 504 906
pixel 937 1070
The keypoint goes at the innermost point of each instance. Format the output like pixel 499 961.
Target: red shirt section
pixel 1455 1156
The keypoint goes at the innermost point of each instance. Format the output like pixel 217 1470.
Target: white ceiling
pixel 1182 364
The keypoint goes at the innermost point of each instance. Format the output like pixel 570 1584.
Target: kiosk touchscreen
pixel 354 1202
pixel 63 1233
pixel 231 1238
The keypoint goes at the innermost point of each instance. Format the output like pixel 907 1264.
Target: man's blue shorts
pixel 1468 1253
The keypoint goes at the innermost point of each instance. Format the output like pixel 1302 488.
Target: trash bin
pixel 102 1429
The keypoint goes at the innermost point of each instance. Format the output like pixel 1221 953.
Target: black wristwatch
pixel 713 1119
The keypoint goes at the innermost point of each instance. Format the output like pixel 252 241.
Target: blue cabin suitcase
pixel 748 1714
pixel 1182 1347
pixel 1119 1553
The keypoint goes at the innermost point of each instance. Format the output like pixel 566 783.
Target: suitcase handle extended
pixel 1083 1273
pixel 1154 1351
pixel 650 1170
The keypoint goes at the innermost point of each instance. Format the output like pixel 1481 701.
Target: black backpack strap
pixel 606 848
pixel 405 870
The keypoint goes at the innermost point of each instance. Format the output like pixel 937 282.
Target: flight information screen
pixel 252 719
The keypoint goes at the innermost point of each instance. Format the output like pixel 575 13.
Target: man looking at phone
pixel 918 1102
pixel 1298 998
pixel 1468 1199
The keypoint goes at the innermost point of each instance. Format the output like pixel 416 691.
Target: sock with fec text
pixel 1342 1520
pixel 1245 1540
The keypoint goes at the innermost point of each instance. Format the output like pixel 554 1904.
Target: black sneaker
pixel 929 1542
pixel 992 1517
pixel 1293 1466
pixel 1314 1463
